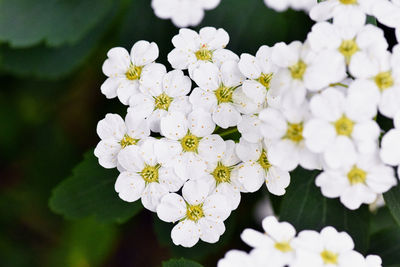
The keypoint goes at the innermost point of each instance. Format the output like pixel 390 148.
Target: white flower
pixel 220 93
pixel 390 152
pixel 237 258
pixel 257 169
pixel 200 215
pixel 156 101
pixel 373 261
pixel 124 70
pixel 115 135
pixel 285 132
pixel 362 181
pixel 259 70
pixel 275 245
pixel 344 42
pixel 328 248
pixel 341 125
pixel 145 177
pixel 352 10
pixel 387 12
pixel 301 69
pixel 183 13
pixel 382 70
pixel 221 177
pixel 192 48
pixel 189 143
pixel 282 5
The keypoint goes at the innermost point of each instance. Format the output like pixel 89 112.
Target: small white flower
pixel 220 93
pixel 189 143
pixel 282 5
pixel 256 169
pixel 116 134
pixel 328 248
pixel 341 125
pixel 237 258
pixel 275 245
pixel 301 69
pixel 285 132
pixel 373 261
pixel 259 71
pixel 192 48
pixel 359 182
pixel 124 70
pixel 156 101
pixel 222 178
pixel 145 177
pixel 200 215
pixel 382 70
pixel 183 13
pixel 390 152
pixel 387 12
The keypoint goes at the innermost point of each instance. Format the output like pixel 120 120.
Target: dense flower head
pixel 218 125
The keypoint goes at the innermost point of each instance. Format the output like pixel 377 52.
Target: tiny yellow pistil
pixel 265 79
pixel 356 176
pixel 194 212
pixel 203 53
pixel 329 257
pixel 263 160
pixel 348 2
pixel 298 70
pixel 134 72
pixel 384 80
pixel 150 173
pixel 348 48
pixel 344 126
pixel 224 94
pixel 283 246
pixel 294 132
pixel 128 141
pixel 162 101
pixel 222 173
pixel 190 143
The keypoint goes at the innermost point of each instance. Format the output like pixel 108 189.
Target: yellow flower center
pixel 150 173
pixel 348 48
pixel 344 126
pixel 128 141
pixel 283 246
pixel 329 257
pixel 224 94
pixel 263 160
pixel 384 80
pixel 204 54
pixel 222 173
pixel 298 70
pixel 194 212
pixel 190 143
pixel 265 79
pixel 294 132
pixel 348 2
pixel 162 101
pixel 134 72
pixel 356 176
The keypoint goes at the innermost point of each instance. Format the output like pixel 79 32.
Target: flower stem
pixel 228 132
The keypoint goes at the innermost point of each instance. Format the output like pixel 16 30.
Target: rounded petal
pixel 172 208
pixel 186 233
pixel 195 192
pixel 111 127
pixel 200 123
pixel 251 176
pixel 152 195
pixel 129 186
pixel 225 116
pixel 277 180
pixel 174 126
pixel 143 53
pixel 211 148
pixel 211 230
pixel 175 83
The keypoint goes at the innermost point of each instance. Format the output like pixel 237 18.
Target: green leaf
pixel 90 192
pixel 180 263
pixel 392 199
pixel 304 206
pixel 386 244
pixel 25 23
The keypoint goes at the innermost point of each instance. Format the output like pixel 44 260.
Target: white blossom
pixel 282 5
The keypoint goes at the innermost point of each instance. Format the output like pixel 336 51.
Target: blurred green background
pixel 51 53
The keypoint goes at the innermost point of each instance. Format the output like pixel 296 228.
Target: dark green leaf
pixel 304 206
pixel 386 244
pixel 25 23
pixel 90 192
pixel 392 199
pixel 180 263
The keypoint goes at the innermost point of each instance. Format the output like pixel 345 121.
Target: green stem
pixel 231 131
pixel 339 84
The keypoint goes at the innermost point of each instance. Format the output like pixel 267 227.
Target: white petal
pixel 175 83
pixel 143 53
pixel 117 63
pixel 200 123
pixel 107 152
pixel 129 186
pixel 111 127
pixel 207 76
pixel 186 233
pixel 249 67
pixel 174 126
pixel 137 127
pixel 215 39
pixel 172 208
pixel 277 180
pixel 109 87
pixel 340 153
pixel 318 135
pixel 211 148
pixel 152 194
pixel 195 192
pixel 251 176
pixel 211 230
pixel 329 105
pixel 285 154
pixel 169 179
pixel 247 151
pixel 225 116
pixel 216 207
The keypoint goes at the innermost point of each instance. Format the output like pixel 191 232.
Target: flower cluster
pixel 279 246
pixel 311 104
